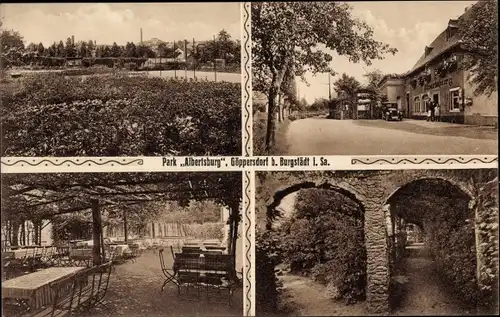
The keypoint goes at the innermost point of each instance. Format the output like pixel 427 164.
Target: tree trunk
pixel 37 231
pixel 277 79
pixel 271 121
pixel 125 226
pixel 23 233
pixel 280 108
pixel 230 235
pixel 96 232
pixel 15 233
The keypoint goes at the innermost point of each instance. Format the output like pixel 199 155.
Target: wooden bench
pixel 63 301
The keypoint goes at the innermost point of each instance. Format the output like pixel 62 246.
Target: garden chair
pixel 97 286
pixel 220 278
pixel 187 269
pixel 168 273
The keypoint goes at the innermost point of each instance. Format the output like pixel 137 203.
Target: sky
pixel 120 22
pixel 406 25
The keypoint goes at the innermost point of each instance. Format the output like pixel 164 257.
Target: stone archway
pixel 371 189
pixel 440 207
pixel 369 193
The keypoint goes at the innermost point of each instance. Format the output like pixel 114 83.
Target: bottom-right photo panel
pixel 398 242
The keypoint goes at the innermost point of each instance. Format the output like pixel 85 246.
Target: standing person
pixel 433 108
pixel 437 113
pixel 428 108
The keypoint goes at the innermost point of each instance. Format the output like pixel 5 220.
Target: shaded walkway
pixel 308 298
pixel 424 294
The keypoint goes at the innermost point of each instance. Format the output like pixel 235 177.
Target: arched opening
pixel 432 249
pixel 315 234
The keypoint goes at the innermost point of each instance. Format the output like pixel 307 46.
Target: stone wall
pixel 371 189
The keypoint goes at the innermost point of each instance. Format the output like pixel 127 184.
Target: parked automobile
pixel 392 114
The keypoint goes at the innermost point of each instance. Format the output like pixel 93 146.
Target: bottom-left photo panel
pixel 115 244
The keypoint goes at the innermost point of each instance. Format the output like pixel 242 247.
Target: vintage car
pixel 390 114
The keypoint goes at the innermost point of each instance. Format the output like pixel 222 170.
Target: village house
pixel 438 76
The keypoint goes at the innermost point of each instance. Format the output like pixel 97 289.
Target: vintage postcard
pixel 249 159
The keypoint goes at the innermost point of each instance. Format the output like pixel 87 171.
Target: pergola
pixel 43 196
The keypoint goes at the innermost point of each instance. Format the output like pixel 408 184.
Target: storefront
pixel 443 89
pixel 438 78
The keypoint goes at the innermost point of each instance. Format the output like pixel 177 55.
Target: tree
pixel 106 52
pixel 60 49
pixel 32 47
pixel 115 50
pixel 41 49
pixel 70 50
pixel 12 47
pixel 83 50
pixel 478 30
pixel 374 77
pixel 346 88
pixel 51 52
pixel 287 34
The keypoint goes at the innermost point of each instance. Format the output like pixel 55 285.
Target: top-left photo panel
pixel 120 79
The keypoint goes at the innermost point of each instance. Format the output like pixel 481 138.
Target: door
pixel 435 98
pixel 408 113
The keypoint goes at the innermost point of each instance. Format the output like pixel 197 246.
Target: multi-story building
pixel 438 76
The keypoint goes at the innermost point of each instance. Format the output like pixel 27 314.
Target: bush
pixel 52 115
pixel 267 285
pixel 259 136
pixel 326 238
pixel 214 230
pixel 452 244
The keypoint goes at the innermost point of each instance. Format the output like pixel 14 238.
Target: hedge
pixel 53 115
pixel 267 289
pixel 209 230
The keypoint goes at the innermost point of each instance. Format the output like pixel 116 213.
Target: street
pixel 320 136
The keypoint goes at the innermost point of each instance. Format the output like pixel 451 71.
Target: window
pixel 416 104
pixel 455 99
pixel 424 106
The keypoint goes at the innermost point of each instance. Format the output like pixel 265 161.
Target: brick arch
pixel 280 194
pixel 368 193
pixel 459 184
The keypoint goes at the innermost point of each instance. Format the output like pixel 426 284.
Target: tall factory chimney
pixel 73 39
pixel 141 36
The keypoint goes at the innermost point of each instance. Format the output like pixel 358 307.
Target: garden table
pixel 120 248
pixel 21 253
pixel 81 252
pixel 35 287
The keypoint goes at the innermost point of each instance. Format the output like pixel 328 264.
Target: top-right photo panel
pixel 375 78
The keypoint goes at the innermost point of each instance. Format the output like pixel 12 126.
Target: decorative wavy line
pixel 247 80
pixel 46 161
pixel 249 244
pixel 247 151
pixel 424 160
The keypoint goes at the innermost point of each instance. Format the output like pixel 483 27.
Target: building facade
pixel 438 77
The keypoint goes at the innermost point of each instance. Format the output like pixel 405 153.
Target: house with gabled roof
pixel 438 77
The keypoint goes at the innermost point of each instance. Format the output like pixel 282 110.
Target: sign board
pixel 362 107
pixel 436 84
